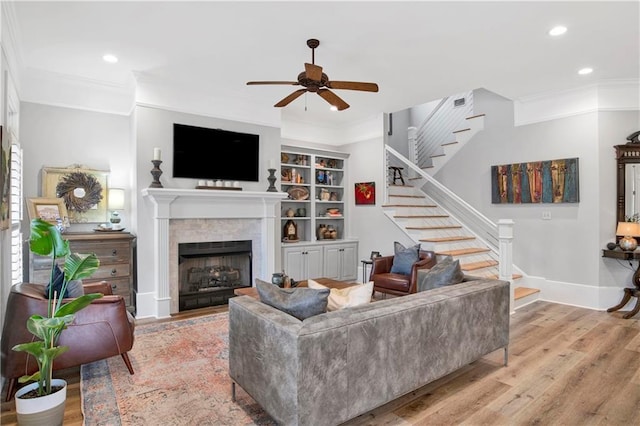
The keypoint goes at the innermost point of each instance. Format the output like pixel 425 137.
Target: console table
pixel 628 292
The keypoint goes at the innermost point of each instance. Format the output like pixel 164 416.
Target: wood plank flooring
pixel 567 366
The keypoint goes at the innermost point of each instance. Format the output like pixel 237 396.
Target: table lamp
pixel 115 202
pixel 628 230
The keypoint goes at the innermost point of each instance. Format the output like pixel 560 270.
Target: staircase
pixel 445 224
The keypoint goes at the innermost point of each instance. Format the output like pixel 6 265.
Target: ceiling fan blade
pixel 333 99
pixel 286 101
pixel 353 85
pixel 314 72
pixel 291 83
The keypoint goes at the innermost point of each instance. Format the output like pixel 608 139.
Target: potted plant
pixel 46 240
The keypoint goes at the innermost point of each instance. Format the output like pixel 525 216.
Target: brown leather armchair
pixel 397 284
pixel 101 330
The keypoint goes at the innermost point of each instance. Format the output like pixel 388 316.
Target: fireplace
pixel 209 272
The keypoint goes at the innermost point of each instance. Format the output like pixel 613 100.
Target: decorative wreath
pixel 80 191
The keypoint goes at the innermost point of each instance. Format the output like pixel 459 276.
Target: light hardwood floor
pixel 567 366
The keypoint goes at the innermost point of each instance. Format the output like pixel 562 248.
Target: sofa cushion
pixel 445 272
pixel 404 258
pixel 340 298
pixel 299 302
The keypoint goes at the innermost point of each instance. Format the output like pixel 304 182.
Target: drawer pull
pixel 114 252
pixel 114 272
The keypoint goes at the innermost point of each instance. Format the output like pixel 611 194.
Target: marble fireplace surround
pixel 197 215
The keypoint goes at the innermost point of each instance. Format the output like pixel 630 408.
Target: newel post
pixel 505 238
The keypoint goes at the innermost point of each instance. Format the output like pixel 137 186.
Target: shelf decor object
pixel 115 202
pixel 156 173
pixel 272 181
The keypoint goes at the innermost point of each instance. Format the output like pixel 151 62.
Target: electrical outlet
pixel 546 215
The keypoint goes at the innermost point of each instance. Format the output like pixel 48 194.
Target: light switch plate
pixel 546 215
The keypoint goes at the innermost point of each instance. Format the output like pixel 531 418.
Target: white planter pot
pixel 44 410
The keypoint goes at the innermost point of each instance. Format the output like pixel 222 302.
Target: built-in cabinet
pixel 340 261
pixel 313 225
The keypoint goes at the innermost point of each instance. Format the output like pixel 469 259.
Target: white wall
pixel 58 137
pixel 154 128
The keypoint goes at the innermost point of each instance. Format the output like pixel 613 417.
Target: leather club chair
pixel 101 330
pixel 398 284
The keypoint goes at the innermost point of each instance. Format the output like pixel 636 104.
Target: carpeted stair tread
pixel 446 239
pixel 464 251
pixel 521 292
pixel 428 228
pixel 478 265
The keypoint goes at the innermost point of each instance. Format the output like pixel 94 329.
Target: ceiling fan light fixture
pixel 333 108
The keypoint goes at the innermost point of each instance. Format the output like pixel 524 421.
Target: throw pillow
pixel 340 298
pixel 299 302
pixel 404 258
pixel 445 272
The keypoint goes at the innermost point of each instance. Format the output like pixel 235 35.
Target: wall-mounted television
pixel 203 153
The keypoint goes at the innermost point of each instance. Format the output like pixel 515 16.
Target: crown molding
pixel 611 95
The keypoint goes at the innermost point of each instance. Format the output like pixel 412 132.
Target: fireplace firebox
pixel 209 272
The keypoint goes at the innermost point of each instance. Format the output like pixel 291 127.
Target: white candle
pixel 156 153
pixel 272 164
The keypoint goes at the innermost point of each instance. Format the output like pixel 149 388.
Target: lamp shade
pixel 628 229
pixel 115 200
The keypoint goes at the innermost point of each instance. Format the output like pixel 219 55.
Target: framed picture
pixel 374 254
pixel 47 209
pixel 83 191
pixel 366 193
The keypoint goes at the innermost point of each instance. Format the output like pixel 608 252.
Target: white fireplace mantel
pixel 172 203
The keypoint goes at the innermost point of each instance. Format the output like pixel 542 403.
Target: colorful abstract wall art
pixel 553 181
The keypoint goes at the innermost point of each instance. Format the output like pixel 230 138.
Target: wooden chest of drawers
pixel 115 250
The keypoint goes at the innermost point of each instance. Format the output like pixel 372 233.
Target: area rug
pixel 181 378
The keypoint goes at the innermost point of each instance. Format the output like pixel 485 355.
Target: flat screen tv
pixel 202 153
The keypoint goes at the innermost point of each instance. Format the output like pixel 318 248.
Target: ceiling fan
pixel 314 80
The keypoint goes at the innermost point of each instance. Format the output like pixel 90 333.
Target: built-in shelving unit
pixel 316 209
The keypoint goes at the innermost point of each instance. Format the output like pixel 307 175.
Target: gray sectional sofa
pixel 335 366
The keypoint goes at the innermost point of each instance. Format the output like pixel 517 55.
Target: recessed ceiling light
pixel 556 31
pixel 333 108
pixel 585 71
pixel 112 59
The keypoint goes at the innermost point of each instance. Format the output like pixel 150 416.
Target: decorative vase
pixel 43 410
pixel 290 212
pixel 277 279
pixel 320 231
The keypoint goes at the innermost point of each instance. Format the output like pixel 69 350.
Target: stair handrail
pixel 466 206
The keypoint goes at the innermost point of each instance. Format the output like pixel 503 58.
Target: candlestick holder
pixel 272 180
pixel 156 172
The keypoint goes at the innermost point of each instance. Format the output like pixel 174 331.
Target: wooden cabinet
pixel 115 250
pixel 340 261
pixel 303 262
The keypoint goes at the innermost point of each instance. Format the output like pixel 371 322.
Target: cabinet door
pixel 314 257
pixel 332 262
pixel 294 263
pixel 349 262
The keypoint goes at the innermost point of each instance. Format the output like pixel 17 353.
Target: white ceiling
pixel 415 51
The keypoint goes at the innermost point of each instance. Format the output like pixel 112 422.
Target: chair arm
pixel 99 287
pixel 381 265
pixel 427 261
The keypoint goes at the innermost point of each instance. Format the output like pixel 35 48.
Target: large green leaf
pixel 46 240
pixel 32 348
pixel 48 329
pixel 77 267
pixel 77 304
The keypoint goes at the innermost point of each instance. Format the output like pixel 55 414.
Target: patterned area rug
pixel 181 378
